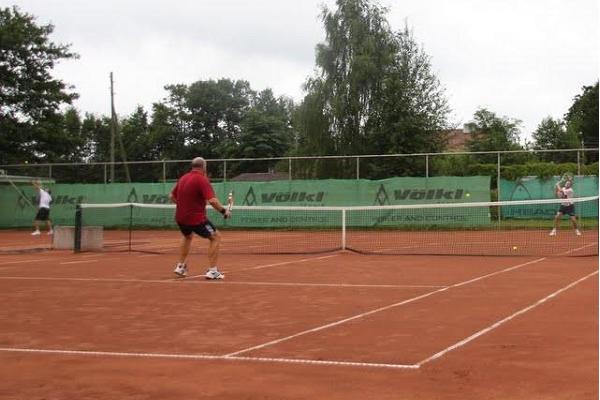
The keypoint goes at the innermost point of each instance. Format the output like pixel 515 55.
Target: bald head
pixel 199 163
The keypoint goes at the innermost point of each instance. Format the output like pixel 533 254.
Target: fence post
pixel 289 168
pixel 427 166
pixel 105 173
pixel 578 163
pixel 357 168
pixel 164 165
pixel 50 168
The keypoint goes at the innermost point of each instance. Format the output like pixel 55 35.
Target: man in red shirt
pixel 190 194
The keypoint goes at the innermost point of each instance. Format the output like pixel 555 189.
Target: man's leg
pixel 213 255
pixel 574 223
pixel 556 223
pixel 184 248
pixel 49 224
pixel 36 225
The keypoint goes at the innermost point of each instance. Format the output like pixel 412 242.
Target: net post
pixel 498 187
pixel 77 235
pixel 130 225
pixel 343 229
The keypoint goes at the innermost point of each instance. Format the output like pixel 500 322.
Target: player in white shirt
pixel 566 207
pixel 43 213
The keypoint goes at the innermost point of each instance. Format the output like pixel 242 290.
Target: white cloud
pixel 522 59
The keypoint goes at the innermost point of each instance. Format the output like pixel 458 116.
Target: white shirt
pixel 566 193
pixel 45 199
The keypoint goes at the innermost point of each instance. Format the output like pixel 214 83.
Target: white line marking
pixel 23 261
pixel 260 267
pixel 209 357
pixel 239 283
pixel 497 324
pixel 577 249
pixel 286 263
pixel 78 262
pixel 410 300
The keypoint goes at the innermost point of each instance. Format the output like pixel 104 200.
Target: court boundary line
pixel 219 283
pixel 504 320
pixel 208 357
pixel 377 310
pixel 233 357
pixel 264 266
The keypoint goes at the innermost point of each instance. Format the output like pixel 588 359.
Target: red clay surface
pixel 321 308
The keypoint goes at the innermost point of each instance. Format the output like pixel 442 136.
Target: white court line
pixel 377 310
pixel 209 357
pixel 502 321
pixel 261 266
pixel 237 283
pixel 78 262
pixel 577 249
pixel 23 261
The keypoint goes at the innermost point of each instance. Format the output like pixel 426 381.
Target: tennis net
pixel 507 228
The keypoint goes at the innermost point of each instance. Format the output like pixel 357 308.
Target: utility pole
pixel 112 130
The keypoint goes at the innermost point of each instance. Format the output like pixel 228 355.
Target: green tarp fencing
pixel 15 211
pixel 534 188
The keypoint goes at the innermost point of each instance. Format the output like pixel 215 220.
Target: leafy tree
pixel 29 96
pixel 552 134
pixel 582 118
pixel 489 132
pixel 374 91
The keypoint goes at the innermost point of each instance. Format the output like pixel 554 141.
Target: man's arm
pixel 173 194
pixel 216 204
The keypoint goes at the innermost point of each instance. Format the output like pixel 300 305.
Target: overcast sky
pixel 525 59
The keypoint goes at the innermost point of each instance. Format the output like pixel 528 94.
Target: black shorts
pixel 567 210
pixel 205 230
pixel 43 214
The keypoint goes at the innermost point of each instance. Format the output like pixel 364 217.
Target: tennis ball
pixel 468 195
pixel 515 247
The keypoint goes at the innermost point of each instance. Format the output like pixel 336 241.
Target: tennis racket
pixel 229 208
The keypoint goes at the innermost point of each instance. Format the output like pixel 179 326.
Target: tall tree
pixel 374 91
pixel 490 132
pixel 29 96
pixel 582 118
pixel 551 134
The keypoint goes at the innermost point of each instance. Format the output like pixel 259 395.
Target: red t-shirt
pixel 191 192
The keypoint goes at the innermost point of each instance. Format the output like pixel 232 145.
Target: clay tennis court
pixel 333 325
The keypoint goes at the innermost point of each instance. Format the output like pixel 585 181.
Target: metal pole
pixel 164 165
pixel 289 168
pixel 498 187
pixel 427 166
pixel 112 133
pixel 357 167
pixel 50 169
pixel 105 174
pixel 578 163
pixel 224 170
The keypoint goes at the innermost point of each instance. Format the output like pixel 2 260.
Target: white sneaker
pixel 50 232
pixel 35 233
pixel 553 232
pixel 214 274
pixel 180 270
pixel 577 232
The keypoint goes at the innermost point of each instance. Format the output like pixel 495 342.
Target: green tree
pixel 582 118
pixel 551 134
pixel 29 96
pixel 374 92
pixel 489 132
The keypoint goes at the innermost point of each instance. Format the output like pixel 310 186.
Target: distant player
pixel 43 213
pixel 566 207
pixel 191 193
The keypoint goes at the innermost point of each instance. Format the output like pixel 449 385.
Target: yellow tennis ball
pixel 515 247
pixel 468 195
